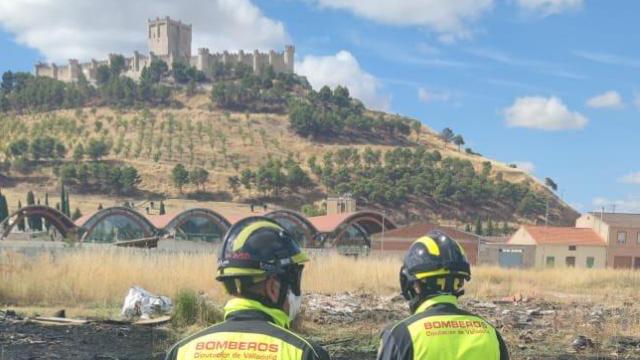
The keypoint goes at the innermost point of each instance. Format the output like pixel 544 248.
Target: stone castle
pixel 170 41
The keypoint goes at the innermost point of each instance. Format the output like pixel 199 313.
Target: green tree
pixel 180 176
pixel 505 228
pixel 458 140
pixel 234 184
pixel 199 176
pixel 7 82
pixel 97 149
pixel 21 225
pixel 467 228
pixel 162 210
pixel 78 153
pixel 447 135
pixel 490 231
pixel 77 214
pixel 416 126
pixel 551 184
pixel 478 227
pixel 18 148
pixel 129 179
pixel 4 207
pixel 103 74
pixel 117 65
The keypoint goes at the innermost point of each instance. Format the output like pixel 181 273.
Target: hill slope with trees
pixel 244 137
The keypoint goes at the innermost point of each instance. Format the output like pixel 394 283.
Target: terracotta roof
pixel 83 219
pixel 412 232
pixel 328 223
pixel 547 235
pixel 619 219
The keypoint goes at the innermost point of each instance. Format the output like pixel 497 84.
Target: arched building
pixel 194 224
pixel 350 233
pixel 115 224
pixel 64 225
pixel 298 225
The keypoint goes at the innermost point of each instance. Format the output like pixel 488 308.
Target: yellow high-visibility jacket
pixel 250 331
pixel 439 330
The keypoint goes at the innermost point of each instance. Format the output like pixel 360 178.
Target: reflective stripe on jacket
pixel 439 330
pixel 250 331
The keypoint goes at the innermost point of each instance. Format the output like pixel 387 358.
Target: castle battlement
pixel 169 40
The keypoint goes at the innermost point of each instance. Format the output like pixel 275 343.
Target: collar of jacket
pixel 440 299
pixel 236 305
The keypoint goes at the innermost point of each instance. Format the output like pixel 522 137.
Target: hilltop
pixel 281 142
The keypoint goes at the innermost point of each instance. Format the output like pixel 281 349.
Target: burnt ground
pixel 348 326
pixel 25 340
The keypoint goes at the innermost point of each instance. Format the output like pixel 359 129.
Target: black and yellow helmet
pixel 258 247
pixel 439 265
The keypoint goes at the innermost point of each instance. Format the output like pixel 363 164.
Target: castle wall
pixel 170 40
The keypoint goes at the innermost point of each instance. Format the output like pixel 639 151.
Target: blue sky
pixel 551 84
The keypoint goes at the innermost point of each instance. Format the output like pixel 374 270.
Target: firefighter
pixel 432 277
pixel 260 266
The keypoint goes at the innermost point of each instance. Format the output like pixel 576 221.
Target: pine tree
pixel 505 228
pixel 478 227
pixel 100 207
pixel 46 203
pixel 467 228
pixel 490 230
pixel 68 209
pixel 62 199
pixel 21 226
pixel 162 211
pixel 76 215
pixel 31 201
pixel 4 209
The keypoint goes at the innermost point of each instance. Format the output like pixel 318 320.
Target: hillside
pixel 248 138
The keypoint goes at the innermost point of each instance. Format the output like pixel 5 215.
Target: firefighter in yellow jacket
pixel 432 278
pixel 260 265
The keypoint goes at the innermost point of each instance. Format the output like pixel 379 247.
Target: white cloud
pixel 608 58
pixel 83 29
pixel 636 100
pixel 344 69
pixel 630 204
pixel 426 96
pixel 609 99
pixel 550 7
pixel 633 178
pixel 537 112
pixel 450 19
pixel 526 166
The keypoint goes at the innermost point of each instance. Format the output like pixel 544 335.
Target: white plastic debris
pixel 140 302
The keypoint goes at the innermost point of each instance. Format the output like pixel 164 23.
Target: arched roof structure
pixel 334 226
pixel 54 217
pixel 301 224
pixel 171 222
pixel 89 223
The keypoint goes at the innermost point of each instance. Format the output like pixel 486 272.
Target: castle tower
pixel 170 39
pixel 289 52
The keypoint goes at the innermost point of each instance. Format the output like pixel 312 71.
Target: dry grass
pixel 101 278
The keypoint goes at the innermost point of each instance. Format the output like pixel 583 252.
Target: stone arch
pixel 58 220
pixel 297 224
pixel 145 228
